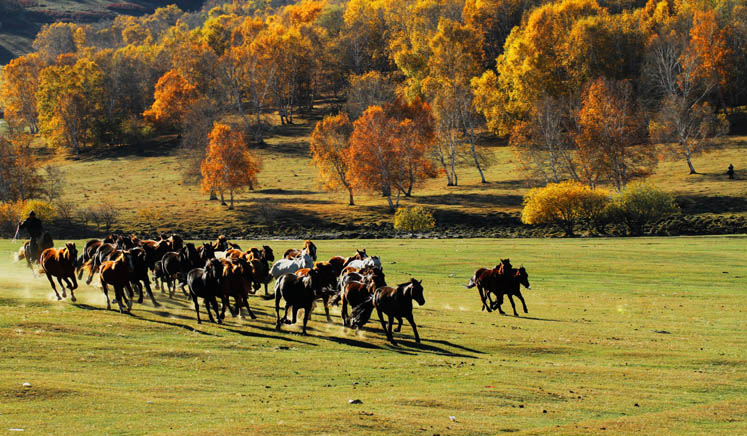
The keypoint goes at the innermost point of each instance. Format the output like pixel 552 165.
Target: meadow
pixel 623 336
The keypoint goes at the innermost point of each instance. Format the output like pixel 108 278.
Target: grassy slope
pixel 612 323
pixel 132 179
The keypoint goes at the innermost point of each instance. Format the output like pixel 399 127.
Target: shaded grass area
pixel 623 336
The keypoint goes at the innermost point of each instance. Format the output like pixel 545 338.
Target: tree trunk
pixel 690 165
pixel 212 195
pixel 222 201
pixel 350 193
pixel 389 200
pixel 230 207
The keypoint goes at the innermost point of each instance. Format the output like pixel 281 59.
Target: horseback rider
pixel 33 226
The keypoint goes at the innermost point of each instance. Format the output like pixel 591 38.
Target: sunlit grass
pixel 623 336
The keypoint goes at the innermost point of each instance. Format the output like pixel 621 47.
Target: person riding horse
pixel 33 226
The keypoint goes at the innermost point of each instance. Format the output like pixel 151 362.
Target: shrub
pixel 43 210
pixel 66 210
pixel 565 203
pixel 414 219
pixel 104 214
pixel 641 203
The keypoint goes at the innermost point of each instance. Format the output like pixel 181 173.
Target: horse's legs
pixel 119 296
pixel 326 307
pixel 207 308
pixel 51 282
pixel 499 303
pixel 62 286
pixel 411 320
pixel 90 272
pixel 383 325
pixel 139 290
pixel 389 328
pixel 146 284
pixel 130 295
pixel 518 294
pixel 399 325
pixel 249 309
pixel 278 321
pixel 70 286
pixel 511 300
pixel 214 302
pixel 306 316
pixel 197 307
pixel 482 293
pixel 344 312
pixel 106 294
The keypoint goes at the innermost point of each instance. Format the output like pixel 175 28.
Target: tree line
pixel 583 89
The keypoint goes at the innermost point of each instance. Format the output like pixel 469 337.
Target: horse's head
pixel 378 277
pixel 505 267
pixel 310 248
pixel 416 291
pixel 72 251
pixel 213 270
pixel 360 254
pixel 207 252
pixel 523 277
pixel 269 255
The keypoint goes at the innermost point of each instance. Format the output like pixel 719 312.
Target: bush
pixel 43 210
pixel 104 214
pixel 414 219
pixel 565 203
pixel 640 204
pixel 66 210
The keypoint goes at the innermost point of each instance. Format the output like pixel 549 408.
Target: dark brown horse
pixel 309 246
pixel 298 293
pixel 117 274
pixel 488 280
pixel 260 259
pixel 236 281
pixel 395 303
pixel 61 264
pixel 32 254
pixel 512 287
pixel 355 294
pixel 326 282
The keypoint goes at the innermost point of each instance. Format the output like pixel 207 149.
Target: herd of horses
pixel 221 270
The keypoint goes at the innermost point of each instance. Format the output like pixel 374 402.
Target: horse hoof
pixel 59 298
pixel 156 305
pixel 73 299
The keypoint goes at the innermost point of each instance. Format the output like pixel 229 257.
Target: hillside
pixel 19 24
pixel 289 198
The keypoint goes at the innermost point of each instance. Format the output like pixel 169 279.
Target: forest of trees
pixel 583 90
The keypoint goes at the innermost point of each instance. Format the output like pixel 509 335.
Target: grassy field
pixel 623 336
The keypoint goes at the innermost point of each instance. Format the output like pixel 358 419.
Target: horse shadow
pixel 172 324
pixel 265 336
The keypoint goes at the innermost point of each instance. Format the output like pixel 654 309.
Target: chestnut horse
pixel 488 280
pixel 395 303
pixel 117 274
pixel 61 264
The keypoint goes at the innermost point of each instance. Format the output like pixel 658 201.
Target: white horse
pixel 370 262
pixel 290 266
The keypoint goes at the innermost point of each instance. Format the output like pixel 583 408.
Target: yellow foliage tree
pixel 173 97
pixel 328 146
pixel 228 165
pixel 20 79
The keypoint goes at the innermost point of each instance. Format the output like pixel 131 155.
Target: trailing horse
pixel 488 280
pixel 395 303
pixel 32 254
pixel 512 287
pixel 61 264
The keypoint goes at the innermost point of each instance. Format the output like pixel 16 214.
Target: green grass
pixel 657 322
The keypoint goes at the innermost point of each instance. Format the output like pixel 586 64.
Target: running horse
pixel 61 264
pixel 308 247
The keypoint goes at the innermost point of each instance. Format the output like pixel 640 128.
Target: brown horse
pixel 309 246
pixel 327 279
pixel 61 264
pixel 236 281
pixel 355 294
pixel 395 303
pixel 488 280
pixel 117 274
pixel 512 287
pixel 260 259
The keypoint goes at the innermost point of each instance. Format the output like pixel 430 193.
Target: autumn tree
pixel 455 61
pixel 388 149
pixel 58 39
pixel 228 165
pixel 173 97
pixel 20 80
pixel 611 138
pixel 19 180
pixel 370 89
pixel 329 142
pixel 69 103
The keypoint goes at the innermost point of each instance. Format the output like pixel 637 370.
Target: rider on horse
pixel 33 226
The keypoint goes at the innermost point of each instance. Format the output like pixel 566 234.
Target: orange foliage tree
pixel 228 165
pixel 388 149
pixel 328 145
pixel 611 139
pixel 172 98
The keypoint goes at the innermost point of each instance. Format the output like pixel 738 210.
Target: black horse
pixel 204 283
pixel 298 293
pixel 512 288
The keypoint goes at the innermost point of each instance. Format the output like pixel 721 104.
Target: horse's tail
pixel 362 313
pixel 87 266
pixel 471 284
